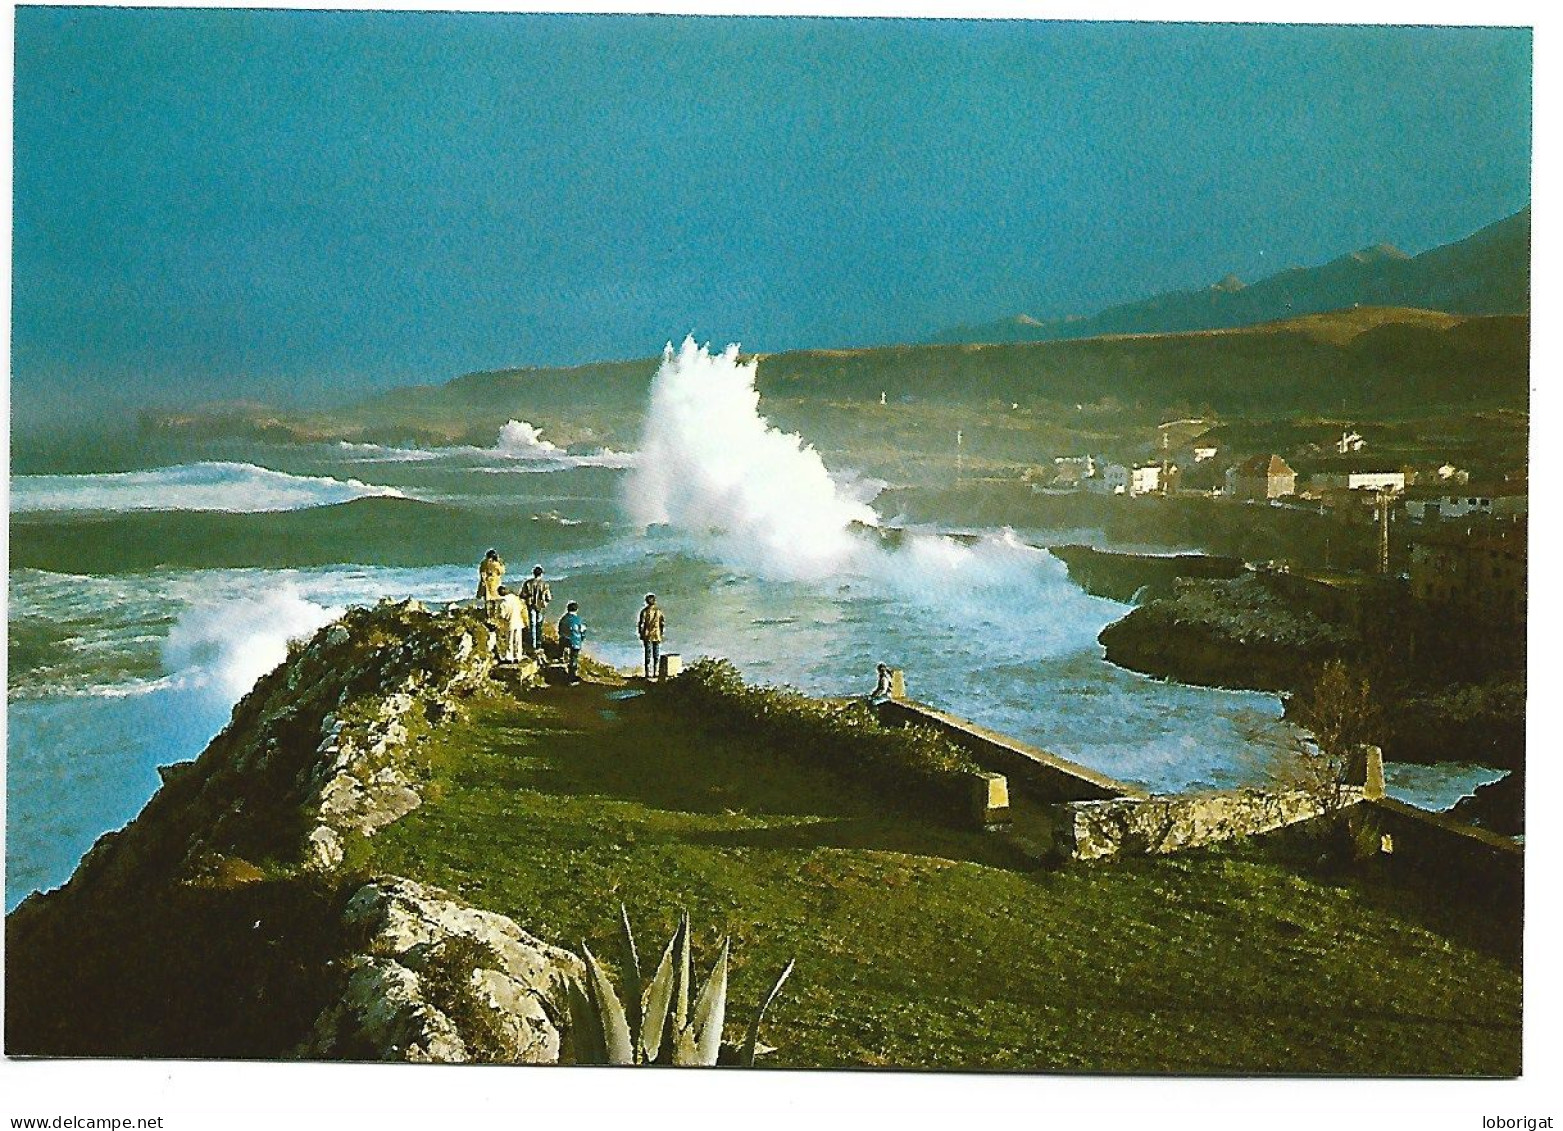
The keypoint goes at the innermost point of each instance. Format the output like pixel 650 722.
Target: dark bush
pixel 912 766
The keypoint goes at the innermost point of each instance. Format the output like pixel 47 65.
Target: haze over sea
pixel 759 552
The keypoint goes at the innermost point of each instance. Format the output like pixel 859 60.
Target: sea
pixel 156 595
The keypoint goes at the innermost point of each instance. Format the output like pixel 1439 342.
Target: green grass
pixel 919 945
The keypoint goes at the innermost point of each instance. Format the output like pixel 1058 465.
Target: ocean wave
pixel 242 488
pixel 129 689
pixel 380 453
pixel 519 447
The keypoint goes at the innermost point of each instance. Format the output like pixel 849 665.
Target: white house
pixel 1391 481
pixel 1145 479
pixel 1457 501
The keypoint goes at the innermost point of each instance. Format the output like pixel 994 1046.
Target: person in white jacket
pixel 510 617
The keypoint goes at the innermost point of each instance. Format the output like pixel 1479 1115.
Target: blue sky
pixel 218 204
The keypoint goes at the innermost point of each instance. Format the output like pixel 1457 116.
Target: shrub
pixel 913 765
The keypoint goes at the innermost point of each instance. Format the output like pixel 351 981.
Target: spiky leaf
pixel 629 972
pixel 659 996
pixel 682 976
pixel 585 1028
pixel 711 1011
pixel 615 1028
pixel 746 1058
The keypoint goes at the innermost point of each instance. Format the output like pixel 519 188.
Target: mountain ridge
pixel 1487 272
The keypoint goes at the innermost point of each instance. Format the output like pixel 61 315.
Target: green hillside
pixel 1368 363
pixel 923 946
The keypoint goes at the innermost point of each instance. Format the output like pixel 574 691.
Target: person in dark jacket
pixel 572 635
pixel 536 595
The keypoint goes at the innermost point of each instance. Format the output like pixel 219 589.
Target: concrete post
pixel 990 798
pixel 1373 773
pixel 1366 769
pixel 669 665
pixel 897 683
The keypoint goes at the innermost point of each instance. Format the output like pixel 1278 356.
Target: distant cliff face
pixel 227 918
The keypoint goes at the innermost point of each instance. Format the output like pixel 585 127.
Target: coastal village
pixel 1457 538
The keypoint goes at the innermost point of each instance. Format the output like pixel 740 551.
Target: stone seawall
pixel 1041 776
pixel 1156 826
pixel 1439 847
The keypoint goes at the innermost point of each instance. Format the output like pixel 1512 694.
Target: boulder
pixel 440 980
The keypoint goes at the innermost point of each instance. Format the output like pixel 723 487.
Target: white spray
pixel 223 648
pixel 712 466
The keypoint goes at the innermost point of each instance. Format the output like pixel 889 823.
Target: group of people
pixel 509 611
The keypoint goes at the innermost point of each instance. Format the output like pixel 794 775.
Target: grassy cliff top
pixel 922 946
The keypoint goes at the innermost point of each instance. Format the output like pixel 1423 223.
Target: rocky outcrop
pixel 438 980
pixel 1274 631
pixel 1236 633
pixel 1132 577
pixel 1499 806
pixel 322 750
pixel 1482 723
pixel 222 920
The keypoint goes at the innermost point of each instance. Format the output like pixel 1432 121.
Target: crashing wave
pixel 520 446
pixel 241 488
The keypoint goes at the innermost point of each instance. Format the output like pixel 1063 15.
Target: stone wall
pixel 1433 846
pixel 1039 775
pixel 1098 830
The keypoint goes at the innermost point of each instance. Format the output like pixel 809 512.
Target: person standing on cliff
pixel 509 618
pixel 572 635
pixel 884 685
pixel 490 570
pixel 650 627
pixel 536 594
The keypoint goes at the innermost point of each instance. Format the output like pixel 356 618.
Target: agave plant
pixel 667 1021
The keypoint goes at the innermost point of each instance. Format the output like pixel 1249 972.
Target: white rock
pixel 383 1004
pixel 325 849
